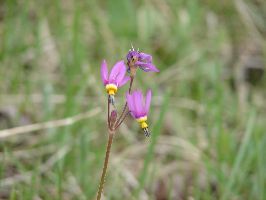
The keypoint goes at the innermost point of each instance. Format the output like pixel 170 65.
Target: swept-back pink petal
pixel 130 104
pixel 138 102
pixel 104 72
pixel 148 101
pixel 116 70
pixel 124 81
pixel 145 57
pixel 147 67
pixel 121 73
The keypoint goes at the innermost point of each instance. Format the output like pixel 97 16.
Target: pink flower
pixel 116 78
pixel 139 108
pixel 141 60
pixel 137 105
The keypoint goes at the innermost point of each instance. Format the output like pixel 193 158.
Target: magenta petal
pixel 121 74
pixel 138 102
pixel 148 101
pixel 104 72
pixel 124 81
pixel 116 70
pixel 145 57
pixel 147 67
pixel 130 104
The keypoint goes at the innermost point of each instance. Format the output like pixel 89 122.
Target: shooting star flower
pixel 139 59
pixel 116 78
pixel 139 108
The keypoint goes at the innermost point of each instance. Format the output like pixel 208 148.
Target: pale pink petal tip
pixel 124 81
pixel 104 72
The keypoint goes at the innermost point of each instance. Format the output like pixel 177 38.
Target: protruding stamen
pixel 146 132
pixel 143 124
pixel 132 47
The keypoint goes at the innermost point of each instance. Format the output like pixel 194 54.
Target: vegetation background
pixel 208 111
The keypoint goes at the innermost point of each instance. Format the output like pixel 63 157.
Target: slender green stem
pixel 106 160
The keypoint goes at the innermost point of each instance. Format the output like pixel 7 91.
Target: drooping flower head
pixel 139 108
pixel 138 59
pixel 116 78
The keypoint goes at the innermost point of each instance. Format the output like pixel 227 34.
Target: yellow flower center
pixel 111 89
pixel 143 122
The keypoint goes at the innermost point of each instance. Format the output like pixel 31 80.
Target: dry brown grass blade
pixel 50 124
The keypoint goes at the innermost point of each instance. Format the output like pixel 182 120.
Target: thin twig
pixel 125 106
pixel 118 124
pixel 106 160
pixel 124 109
pixel 50 124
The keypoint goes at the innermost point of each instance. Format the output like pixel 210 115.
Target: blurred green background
pixel 208 109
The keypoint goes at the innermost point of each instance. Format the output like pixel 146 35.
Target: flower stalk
pixel 105 166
